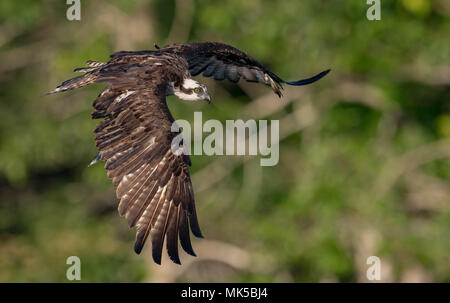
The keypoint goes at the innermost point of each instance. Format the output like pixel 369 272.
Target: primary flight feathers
pixel 135 137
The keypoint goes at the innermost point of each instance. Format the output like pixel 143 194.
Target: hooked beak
pixel 207 98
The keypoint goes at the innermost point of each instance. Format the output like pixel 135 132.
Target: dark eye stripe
pixel 186 91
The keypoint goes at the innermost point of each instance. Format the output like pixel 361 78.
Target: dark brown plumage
pixel 221 61
pixel 135 137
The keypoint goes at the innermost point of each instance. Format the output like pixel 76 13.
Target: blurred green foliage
pixel 369 176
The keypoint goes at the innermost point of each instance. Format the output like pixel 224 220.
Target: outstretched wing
pixel 135 138
pixel 221 61
pixel 153 183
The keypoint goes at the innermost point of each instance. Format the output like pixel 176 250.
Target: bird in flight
pixel 135 136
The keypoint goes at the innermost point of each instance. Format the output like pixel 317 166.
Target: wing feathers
pixel 185 240
pixel 309 80
pixel 159 230
pixel 219 73
pixel 129 181
pixel 210 69
pixel 248 74
pixel 153 184
pixel 232 73
pixel 198 64
pixel 223 61
pixel 138 195
pixel 172 233
pixel 147 220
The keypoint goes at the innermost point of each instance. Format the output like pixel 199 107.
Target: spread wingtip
pixel 309 80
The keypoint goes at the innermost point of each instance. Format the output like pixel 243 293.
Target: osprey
pixel 134 138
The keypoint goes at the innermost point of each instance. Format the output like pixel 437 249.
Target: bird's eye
pixel 197 90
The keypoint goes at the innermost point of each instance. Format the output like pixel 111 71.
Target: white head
pixel 190 90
